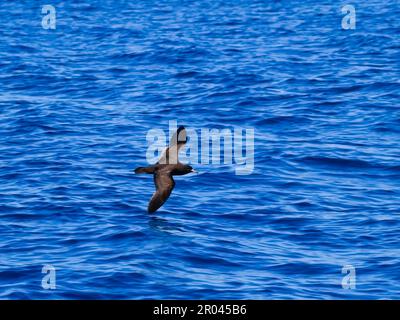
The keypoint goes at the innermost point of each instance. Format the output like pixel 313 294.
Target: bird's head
pixel 190 169
pixel 182 169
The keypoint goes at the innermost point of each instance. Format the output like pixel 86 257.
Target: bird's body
pixel 164 169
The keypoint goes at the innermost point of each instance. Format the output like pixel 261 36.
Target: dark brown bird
pixel 165 168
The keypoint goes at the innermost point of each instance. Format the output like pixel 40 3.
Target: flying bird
pixel 167 166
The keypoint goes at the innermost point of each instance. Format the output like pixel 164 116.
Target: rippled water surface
pixel 77 102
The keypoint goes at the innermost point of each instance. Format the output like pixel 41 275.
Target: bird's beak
pixel 194 171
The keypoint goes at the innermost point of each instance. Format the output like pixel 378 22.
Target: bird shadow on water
pixel 165 226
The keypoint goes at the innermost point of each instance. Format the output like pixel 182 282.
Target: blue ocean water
pixel 77 102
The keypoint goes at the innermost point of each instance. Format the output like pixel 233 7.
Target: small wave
pixel 283 120
pixel 336 162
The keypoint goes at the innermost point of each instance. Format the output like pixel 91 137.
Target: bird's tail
pixel 144 170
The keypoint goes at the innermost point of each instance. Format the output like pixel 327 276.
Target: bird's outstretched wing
pixel 178 140
pixel 164 184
